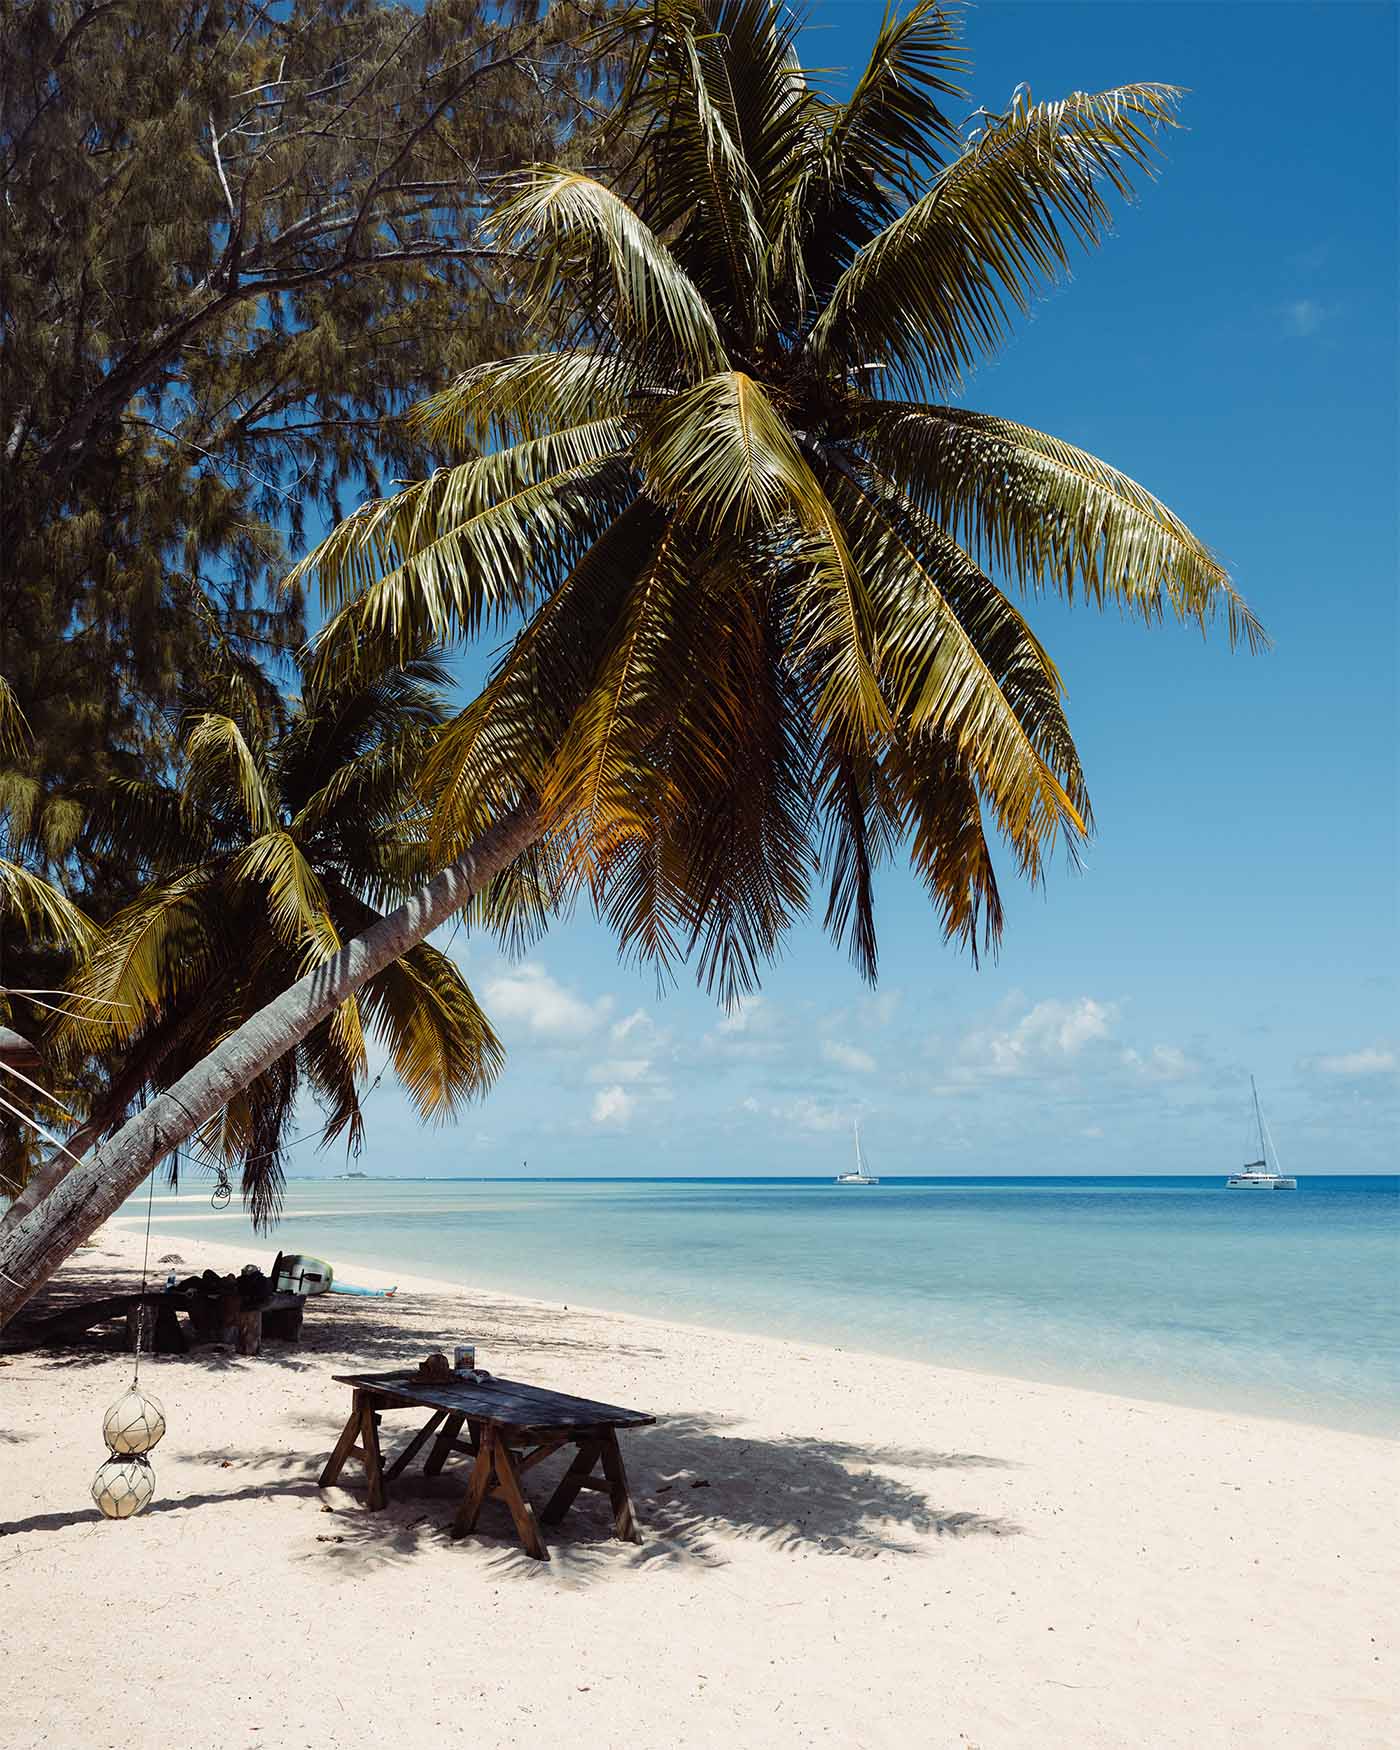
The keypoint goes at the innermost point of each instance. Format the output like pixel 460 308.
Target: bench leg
pixel 483 1470
pixel 250 1331
pixel 572 1481
pixel 624 1519
pixel 414 1447
pixel 437 1458
pixel 348 1435
pixel 374 1462
pixel 520 1509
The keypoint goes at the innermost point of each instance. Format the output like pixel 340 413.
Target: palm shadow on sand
pixel 803 1493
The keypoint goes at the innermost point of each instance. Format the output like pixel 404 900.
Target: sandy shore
pixel 883 1554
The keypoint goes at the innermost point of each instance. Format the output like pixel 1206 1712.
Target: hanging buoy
pixel 123 1485
pixel 125 1482
pixel 134 1423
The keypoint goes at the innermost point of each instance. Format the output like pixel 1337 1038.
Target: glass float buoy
pixel 123 1485
pixel 134 1423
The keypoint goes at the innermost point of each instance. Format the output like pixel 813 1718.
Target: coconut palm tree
pixel 746 546
pixel 276 842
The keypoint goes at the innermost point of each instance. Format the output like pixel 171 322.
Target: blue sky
pixel 1233 347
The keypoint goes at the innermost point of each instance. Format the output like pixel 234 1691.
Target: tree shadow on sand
pixel 696 1481
pixel 342 1332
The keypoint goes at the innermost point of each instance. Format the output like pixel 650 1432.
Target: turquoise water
pixel 1274 1302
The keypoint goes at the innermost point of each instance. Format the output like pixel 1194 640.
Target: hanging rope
pixel 145 1258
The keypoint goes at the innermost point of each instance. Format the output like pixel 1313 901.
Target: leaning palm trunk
pixel 34 1249
pixel 53 1172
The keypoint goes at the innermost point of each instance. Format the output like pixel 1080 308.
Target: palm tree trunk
pixel 150 1055
pixel 34 1249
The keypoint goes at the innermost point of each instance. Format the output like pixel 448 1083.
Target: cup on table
pixel 464 1358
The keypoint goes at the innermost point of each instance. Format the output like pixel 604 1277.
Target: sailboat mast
pixel 1258 1119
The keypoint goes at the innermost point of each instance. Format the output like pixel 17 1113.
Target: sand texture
pixel 881 1554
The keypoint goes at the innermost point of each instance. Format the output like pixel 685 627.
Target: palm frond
pixel 444 1049
pixel 568 223
pixel 218 754
pixel 508 401
pixel 42 910
pixel 937 288
pixel 941 682
pixel 297 906
pixel 467 547
pixel 1043 511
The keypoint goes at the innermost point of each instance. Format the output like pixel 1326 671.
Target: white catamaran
pixel 1257 1175
pixel 861 1176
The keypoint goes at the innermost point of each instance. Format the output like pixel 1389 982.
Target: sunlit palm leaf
pixel 564 219
pixel 939 286
pixel 1048 513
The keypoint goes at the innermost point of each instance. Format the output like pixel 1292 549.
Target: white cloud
pixel 1373 1060
pixel 1164 1063
pixel 639 1027
pixel 613 1105
pixel 849 1057
pixel 801 1114
pixel 747 1016
pixel 529 995
pixel 1046 1034
pixel 621 1069
pixel 1303 317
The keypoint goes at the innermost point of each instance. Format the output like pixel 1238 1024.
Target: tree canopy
pixel 766 570
pixel 235 240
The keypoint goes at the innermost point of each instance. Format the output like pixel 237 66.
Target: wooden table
pixel 511 1428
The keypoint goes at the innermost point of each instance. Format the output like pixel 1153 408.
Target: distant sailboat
pixel 1256 1175
pixel 860 1176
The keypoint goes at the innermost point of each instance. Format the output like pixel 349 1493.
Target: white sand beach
pixel 840 1550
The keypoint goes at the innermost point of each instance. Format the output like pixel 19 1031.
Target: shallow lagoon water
pixel 1281 1303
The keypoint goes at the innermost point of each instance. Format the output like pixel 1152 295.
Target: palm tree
pixel 277 842
pixel 745 550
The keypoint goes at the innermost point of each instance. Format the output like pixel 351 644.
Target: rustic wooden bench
pixel 216 1318
pixel 511 1428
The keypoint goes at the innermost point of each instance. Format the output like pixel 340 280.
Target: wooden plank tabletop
pixel 508 1402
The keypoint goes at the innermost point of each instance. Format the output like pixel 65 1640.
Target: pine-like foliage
pixel 761 559
pixel 233 239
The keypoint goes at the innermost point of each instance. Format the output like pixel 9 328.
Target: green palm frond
pixel 565 222
pixel 163 940
pixel 444 1049
pixel 892 129
pixel 510 401
pixel 42 910
pixel 1041 510
pixel 938 287
pixel 941 813
pixel 297 907
pixel 216 750
pixel 507 738
pixel 468 547
pixel 941 682
pixel 724 456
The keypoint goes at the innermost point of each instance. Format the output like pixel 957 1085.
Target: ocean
pixel 1280 1303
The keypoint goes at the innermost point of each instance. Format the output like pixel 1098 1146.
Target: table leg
pixel 414 1447
pixel 624 1519
pixel 520 1509
pixel 443 1444
pixel 479 1482
pixel 348 1435
pixel 572 1481
pixel 374 1461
